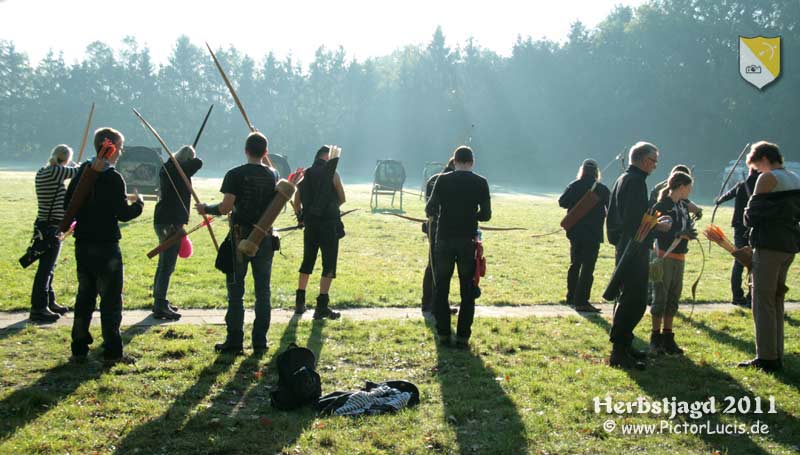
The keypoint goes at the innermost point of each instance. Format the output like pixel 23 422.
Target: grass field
pixel 381 259
pixel 527 386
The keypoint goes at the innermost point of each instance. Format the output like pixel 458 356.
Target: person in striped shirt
pixel 50 192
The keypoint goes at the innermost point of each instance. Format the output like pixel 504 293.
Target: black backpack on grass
pixel 298 382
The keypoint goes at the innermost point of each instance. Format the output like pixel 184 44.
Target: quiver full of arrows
pixel 284 191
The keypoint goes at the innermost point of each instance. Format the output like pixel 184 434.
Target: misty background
pixel 666 71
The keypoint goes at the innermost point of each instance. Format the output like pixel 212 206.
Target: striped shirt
pixel 50 191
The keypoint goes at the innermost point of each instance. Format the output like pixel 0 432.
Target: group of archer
pixel 96 201
pixel 766 232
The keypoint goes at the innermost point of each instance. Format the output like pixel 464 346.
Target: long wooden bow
pixel 235 97
pixel 185 179
pixel 85 134
pixel 483 228
pixel 722 188
pixel 177 237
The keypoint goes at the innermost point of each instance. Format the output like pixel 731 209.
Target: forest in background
pixel 665 72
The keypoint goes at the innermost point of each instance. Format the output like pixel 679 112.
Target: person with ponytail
pixel 671 203
pixel 50 192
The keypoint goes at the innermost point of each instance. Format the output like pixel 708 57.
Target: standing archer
pixel 171 213
pixel 585 236
pixel 248 190
pixel 459 200
pixel 317 200
pixel 429 228
pixel 742 193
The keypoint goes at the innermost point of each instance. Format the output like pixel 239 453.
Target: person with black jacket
pixel 628 204
pixel 741 192
pixel 171 213
pixel 672 260
pixel 247 191
pixel 773 216
pixel 97 254
pixel 460 199
pixel 585 236
pixel 317 200
pixel 429 228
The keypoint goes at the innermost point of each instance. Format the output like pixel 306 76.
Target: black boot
pixel 322 311
pixel 53 306
pixel 161 310
pixel 300 301
pixel 669 344
pixel 656 343
pixel 43 315
pixel 769 366
pixel 229 348
pixel 620 357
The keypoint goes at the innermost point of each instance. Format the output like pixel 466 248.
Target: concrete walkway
pixel 17 320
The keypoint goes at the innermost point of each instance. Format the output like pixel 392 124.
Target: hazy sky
pixel 364 28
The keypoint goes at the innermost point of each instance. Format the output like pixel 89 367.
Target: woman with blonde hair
pixel 50 192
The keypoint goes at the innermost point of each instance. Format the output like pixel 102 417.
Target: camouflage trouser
pixel 668 290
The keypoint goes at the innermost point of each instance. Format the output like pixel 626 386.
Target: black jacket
pixel 171 208
pixel 681 221
pixel 773 221
pixel 107 204
pixel 460 199
pixel 627 205
pixel 741 192
pixel 590 227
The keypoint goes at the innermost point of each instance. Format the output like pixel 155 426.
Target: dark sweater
pixel 741 192
pixel 318 193
pixel 627 205
pixel 459 200
pixel 773 221
pixel 171 207
pixel 590 227
pixel 107 205
pixel 679 214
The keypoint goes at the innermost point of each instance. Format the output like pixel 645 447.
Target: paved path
pixel 16 320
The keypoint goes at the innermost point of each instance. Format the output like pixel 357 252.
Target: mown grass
pixel 381 259
pixel 527 386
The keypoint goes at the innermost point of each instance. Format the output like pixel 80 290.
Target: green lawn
pixel 527 386
pixel 381 259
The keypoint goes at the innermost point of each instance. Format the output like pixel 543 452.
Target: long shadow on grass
pixel 790 374
pixel 792 321
pixel 680 377
pixel 26 405
pixel 239 418
pixel 483 416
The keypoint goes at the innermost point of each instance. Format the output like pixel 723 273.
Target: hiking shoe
pixel 322 310
pixel 769 366
pixel 462 343
pixel 57 309
pixel 669 345
pixel 124 359
pixel 43 315
pixel 299 301
pixel 444 341
pixel 587 308
pixel 166 313
pixel 260 349
pixel 621 358
pixel 656 343
pixel 228 348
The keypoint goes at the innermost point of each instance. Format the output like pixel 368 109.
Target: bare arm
pixel 766 183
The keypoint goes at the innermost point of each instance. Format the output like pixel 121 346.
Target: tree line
pixel 666 71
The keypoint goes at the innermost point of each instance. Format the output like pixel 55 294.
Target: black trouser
pixel 42 294
pixel 428 298
pixel 99 272
pixel 633 299
pixel 320 234
pixel 739 240
pixel 449 252
pixel 580 276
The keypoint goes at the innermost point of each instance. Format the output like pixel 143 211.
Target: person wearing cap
pixel 50 191
pixel 585 236
pixel 460 199
pixel 170 215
